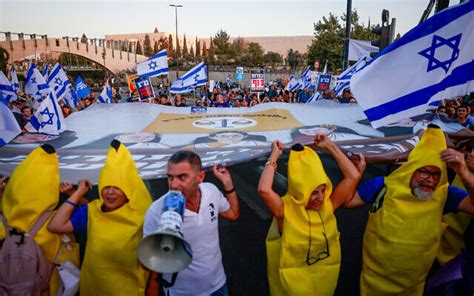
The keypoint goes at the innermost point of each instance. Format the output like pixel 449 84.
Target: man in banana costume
pixel 405 220
pixel 114 225
pixel 303 250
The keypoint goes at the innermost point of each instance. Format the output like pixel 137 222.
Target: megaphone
pixel 166 251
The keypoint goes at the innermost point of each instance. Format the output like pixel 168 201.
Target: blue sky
pixel 196 18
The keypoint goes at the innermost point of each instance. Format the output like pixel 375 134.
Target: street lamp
pixel 176 6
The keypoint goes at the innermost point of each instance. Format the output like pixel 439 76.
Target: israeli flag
pixel 6 88
pixel 344 78
pixel 106 94
pixel 58 81
pixel 294 84
pixel 217 85
pixel 306 78
pixel 81 88
pixel 325 67
pixel 45 72
pixel 433 61
pixel 315 97
pixel 227 80
pixel 70 97
pixel 48 118
pixel 9 127
pixel 14 80
pixel 35 84
pixel 195 77
pixel 154 66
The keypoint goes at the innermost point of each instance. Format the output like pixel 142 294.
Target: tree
pixel 147 49
pixel 163 43
pixel 84 38
pixel 170 45
pixel 185 47
pixel 4 56
pixel 327 43
pixel 178 48
pixel 156 30
pixel 138 48
pixel 210 53
pixel 221 47
pixel 191 54
pixel 238 51
pixel 293 59
pixel 156 47
pixel 204 49
pixel 198 48
pixel 272 58
pixel 255 54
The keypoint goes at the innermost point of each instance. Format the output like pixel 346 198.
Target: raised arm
pixel 345 189
pixel 265 185
pixel 456 161
pixel 223 175
pixel 61 222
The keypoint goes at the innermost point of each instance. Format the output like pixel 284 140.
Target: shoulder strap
pixel 5 225
pixel 39 223
pixel 376 204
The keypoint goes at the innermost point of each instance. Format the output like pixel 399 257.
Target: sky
pixel 196 18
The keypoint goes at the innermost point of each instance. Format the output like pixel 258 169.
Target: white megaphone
pixel 166 251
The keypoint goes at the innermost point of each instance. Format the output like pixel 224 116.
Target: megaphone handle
pixel 164 283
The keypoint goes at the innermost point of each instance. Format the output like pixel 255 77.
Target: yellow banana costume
pixel 288 272
pixel 33 189
pixel 452 240
pixel 402 238
pixel 111 266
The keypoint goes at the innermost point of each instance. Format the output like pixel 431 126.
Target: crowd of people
pixel 404 238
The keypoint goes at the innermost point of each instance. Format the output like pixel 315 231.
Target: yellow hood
pixel 120 171
pixel 427 152
pixel 305 173
pixel 33 188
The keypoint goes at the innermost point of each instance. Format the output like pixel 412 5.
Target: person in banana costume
pixel 405 225
pixel 32 190
pixel 303 249
pixel 114 226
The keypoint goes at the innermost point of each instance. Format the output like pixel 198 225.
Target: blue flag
pixel 81 88
pixel 154 66
pixel 48 118
pixel 14 80
pixel 6 88
pixel 106 94
pixel 195 77
pixel 45 72
pixel 9 127
pixel 431 62
pixel 58 81
pixel 35 84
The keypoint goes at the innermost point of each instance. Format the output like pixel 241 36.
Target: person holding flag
pixel 106 95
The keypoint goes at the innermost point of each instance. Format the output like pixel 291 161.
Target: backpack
pixel 24 270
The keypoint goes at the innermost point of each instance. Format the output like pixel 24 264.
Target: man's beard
pixel 421 194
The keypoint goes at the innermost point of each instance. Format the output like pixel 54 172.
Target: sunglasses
pixel 310 260
pixel 425 175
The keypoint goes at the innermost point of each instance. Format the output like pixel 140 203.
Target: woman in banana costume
pixel 303 250
pixel 33 189
pixel 113 224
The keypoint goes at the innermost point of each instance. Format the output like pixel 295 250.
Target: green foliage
pixel 328 42
pixel 4 56
pixel 147 49
pixel 156 47
pixel 185 47
pixel 138 48
pixel 294 59
pixel 221 47
pixel 255 54
pixel 198 48
pixel 272 58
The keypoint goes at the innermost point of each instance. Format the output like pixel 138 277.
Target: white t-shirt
pixel 205 274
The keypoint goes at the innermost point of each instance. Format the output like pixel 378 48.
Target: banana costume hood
pixel 111 266
pixel 288 271
pixel 402 237
pixel 32 190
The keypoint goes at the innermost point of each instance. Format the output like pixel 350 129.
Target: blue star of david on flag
pixel 33 80
pixel 50 117
pixel 437 43
pixel 58 81
pixel 152 65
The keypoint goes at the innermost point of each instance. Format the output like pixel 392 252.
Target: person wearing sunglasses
pixel 405 225
pixel 303 249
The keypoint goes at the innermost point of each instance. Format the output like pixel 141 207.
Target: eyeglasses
pixel 310 260
pixel 425 175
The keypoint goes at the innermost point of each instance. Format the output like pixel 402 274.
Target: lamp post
pixel 176 6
